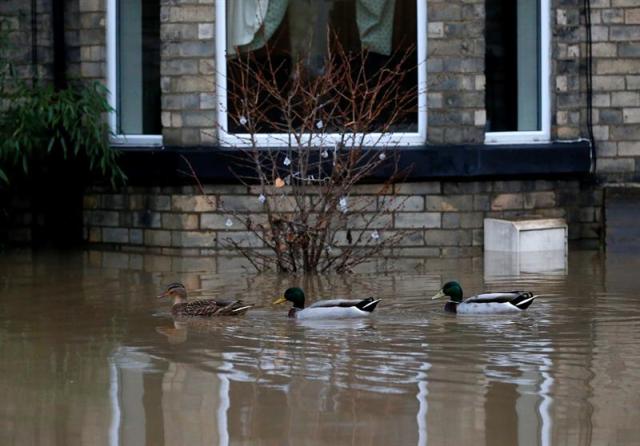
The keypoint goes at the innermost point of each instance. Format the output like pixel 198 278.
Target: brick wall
pixel 91 38
pixel 455 67
pixel 616 71
pixel 84 37
pixel 16 19
pixel 440 218
pixel 187 32
pixel 616 82
pixel 568 85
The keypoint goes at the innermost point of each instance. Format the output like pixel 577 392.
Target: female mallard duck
pixel 500 302
pixel 327 309
pixel 201 307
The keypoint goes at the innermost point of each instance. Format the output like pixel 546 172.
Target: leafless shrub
pixel 334 130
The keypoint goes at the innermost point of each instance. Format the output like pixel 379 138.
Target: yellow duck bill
pixel 280 300
pixel 438 295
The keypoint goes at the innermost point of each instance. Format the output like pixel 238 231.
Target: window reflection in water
pixel 212 400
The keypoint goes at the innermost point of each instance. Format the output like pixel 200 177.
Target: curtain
pixel 251 23
pixel 308 25
pixel 244 19
pixel 375 24
pixel 272 19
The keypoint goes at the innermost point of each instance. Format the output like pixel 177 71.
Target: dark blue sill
pixel 554 160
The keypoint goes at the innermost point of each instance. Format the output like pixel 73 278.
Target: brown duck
pixel 201 307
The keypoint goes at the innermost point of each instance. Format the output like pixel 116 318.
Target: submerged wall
pixel 439 218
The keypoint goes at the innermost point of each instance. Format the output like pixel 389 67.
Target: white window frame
pixel 543 135
pixel 280 139
pixel 112 85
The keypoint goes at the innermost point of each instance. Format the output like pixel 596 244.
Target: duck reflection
pixel 337 324
pixel 177 332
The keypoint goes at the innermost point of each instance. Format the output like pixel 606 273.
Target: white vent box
pixel 525 235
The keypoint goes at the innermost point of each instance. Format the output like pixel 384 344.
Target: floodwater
pixel 88 356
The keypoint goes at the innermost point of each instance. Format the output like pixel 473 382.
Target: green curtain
pixel 374 19
pixel 375 24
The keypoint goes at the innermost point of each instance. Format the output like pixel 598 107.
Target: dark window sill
pixel 155 166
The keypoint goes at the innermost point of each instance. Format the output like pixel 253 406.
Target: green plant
pixel 40 120
pixel 36 120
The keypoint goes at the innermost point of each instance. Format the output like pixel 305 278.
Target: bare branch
pixel 334 131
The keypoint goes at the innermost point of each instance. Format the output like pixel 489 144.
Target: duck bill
pixel 162 296
pixel 439 295
pixel 279 300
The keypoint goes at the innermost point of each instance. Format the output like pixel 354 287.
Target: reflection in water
pixel 514 263
pixel 423 406
pixel 89 357
pixel 223 408
pixel 192 408
pixel 545 405
pixel 114 428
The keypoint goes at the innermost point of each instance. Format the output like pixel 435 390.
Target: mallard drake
pixel 487 303
pixel 327 309
pixel 201 307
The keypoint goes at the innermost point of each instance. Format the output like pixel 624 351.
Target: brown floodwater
pixel 88 356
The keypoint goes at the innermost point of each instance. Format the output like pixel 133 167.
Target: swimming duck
pixel 487 303
pixel 201 307
pixel 327 309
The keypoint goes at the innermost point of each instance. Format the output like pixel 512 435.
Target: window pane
pixel 302 32
pixel 513 65
pixel 138 66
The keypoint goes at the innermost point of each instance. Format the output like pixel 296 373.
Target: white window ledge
pixel 136 140
pixel 535 137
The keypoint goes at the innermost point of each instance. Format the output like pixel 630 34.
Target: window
pixel 133 70
pixel 517 71
pixel 295 31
